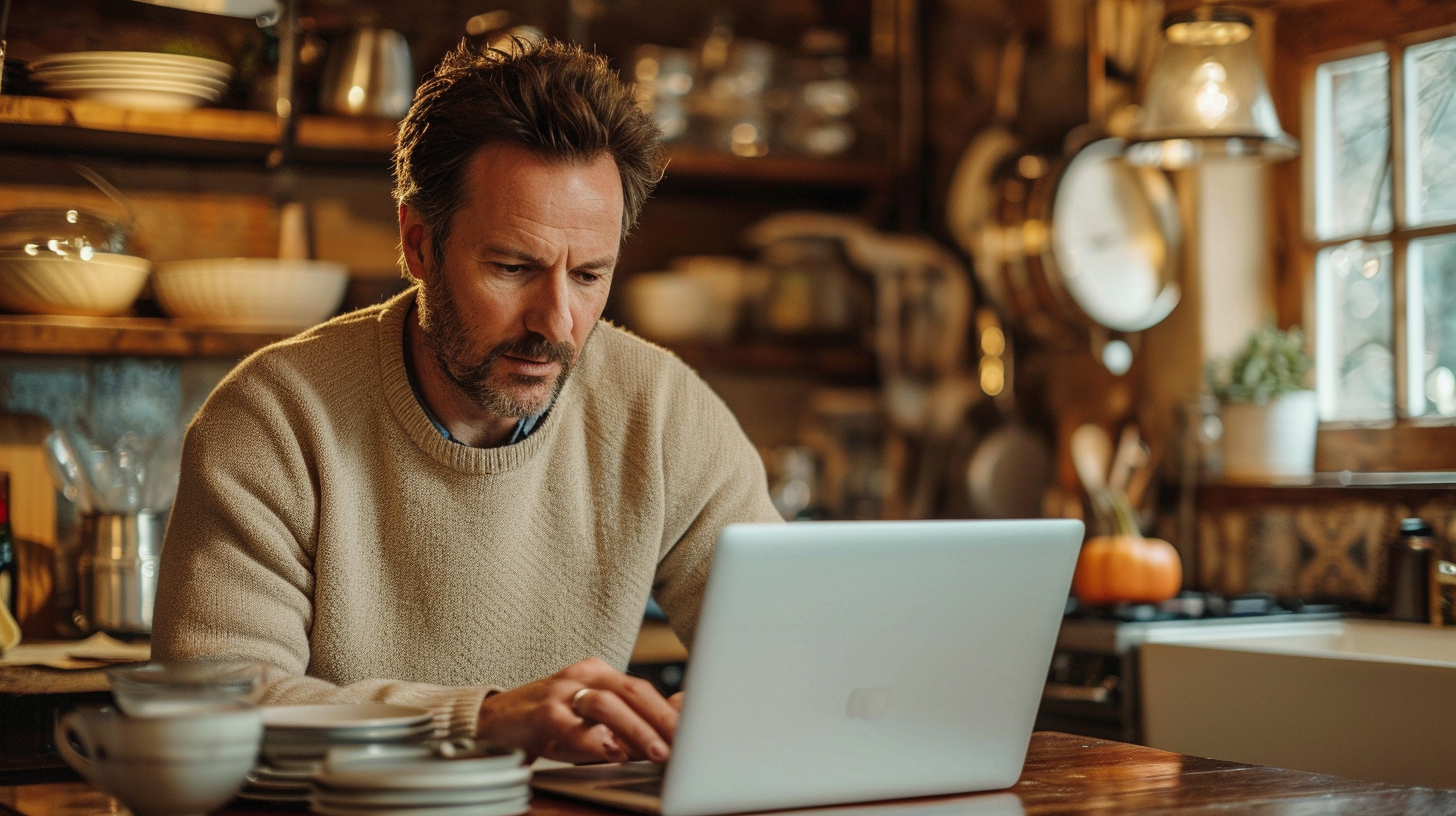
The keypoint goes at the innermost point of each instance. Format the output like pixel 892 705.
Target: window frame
pixel 1306 37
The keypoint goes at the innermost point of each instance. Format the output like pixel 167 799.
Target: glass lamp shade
pixel 1207 96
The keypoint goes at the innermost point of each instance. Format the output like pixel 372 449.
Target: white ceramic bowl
pixel 161 689
pixel 261 292
pixel 66 285
pixel 163 766
pixel 673 307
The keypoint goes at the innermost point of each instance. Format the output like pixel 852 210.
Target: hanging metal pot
pixel 1078 242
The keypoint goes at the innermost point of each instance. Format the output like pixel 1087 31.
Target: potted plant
pixel 1270 417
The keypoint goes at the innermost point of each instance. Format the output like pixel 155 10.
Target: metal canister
pixel 117 571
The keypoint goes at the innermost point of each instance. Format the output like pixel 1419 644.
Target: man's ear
pixel 414 238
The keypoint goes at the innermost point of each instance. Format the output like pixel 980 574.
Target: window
pixel 1380 225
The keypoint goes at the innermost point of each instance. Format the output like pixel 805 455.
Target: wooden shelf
pixel 783 170
pixel 850 364
pixel 128 336
pixel 162 337
pixel 1330 488
pixel 210 133
pixel 43 123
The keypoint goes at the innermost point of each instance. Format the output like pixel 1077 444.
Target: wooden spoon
pixel 1091 452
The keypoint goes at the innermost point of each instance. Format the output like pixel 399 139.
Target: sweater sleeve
pixel 712 477
pixel 236 578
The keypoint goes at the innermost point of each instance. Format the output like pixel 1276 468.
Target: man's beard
pixel 503 395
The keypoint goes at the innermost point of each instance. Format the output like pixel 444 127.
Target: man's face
pixel 510 301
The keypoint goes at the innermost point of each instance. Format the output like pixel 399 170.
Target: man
pixel 462 498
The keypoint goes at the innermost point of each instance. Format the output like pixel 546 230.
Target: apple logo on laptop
pixel 867 703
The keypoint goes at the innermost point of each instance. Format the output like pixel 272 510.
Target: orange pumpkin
pixel 1127 569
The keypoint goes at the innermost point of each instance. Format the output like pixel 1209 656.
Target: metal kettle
pixel 369 73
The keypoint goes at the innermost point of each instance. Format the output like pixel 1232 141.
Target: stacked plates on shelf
pixel 443 780
pixel 297 738
pixel 132 79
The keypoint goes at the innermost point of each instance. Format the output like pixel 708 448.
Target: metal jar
pixel 117 571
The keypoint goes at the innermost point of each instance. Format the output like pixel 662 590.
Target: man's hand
pixel 587 712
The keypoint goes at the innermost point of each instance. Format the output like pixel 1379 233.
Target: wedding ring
pixel 576 702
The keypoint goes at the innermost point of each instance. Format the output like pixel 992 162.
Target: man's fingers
pixel 636 733
pixel 643 698
pixel 587 742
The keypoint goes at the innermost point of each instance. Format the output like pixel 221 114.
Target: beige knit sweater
pixel 324 526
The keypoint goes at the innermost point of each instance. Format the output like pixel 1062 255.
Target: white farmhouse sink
pixel 1363 699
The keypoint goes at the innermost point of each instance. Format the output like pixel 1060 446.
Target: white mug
pixel 184 765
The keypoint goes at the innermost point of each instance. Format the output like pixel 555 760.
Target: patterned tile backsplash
pixel 1317 550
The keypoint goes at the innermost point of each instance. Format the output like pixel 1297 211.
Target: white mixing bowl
pixel 52 284
pixel 262 292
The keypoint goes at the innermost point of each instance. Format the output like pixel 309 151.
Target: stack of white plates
pixel 133 79
pixel 421 781
pixel 297 738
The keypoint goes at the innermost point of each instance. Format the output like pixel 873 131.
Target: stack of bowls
pixel 296 740
pixel 421 781
pixel 133 79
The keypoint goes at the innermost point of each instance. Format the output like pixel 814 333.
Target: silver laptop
pixel 842 662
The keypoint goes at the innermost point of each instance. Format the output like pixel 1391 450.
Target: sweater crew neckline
pixel 400 395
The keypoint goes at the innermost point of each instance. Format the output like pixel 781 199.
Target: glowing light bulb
pixel 1210 100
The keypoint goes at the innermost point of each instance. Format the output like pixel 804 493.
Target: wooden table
pixel 1064 774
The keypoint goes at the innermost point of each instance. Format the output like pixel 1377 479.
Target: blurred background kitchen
pixel 943 259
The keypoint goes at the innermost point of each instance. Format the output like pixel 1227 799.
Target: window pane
pixel 1431 326
pixel 1430 71
pixel 1352 147
pixel 1354 345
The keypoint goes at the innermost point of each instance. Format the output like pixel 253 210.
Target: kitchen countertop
pixel 1064 774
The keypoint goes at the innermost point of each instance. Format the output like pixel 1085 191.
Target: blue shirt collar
pixel 524 426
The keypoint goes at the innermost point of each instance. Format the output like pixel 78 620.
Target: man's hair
pixel 554 99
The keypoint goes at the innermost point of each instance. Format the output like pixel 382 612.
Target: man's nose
pixel 549 312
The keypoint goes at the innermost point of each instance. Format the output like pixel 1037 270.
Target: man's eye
pixel 588 277
pixel 512 269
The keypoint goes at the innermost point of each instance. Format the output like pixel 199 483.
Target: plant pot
pixel 1270 441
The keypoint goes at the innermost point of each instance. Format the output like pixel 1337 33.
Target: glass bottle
pixel 9 571
pixel 1407 572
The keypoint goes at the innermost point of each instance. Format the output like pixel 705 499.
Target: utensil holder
pixel 117 571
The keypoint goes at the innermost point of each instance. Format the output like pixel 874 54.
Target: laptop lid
pixel 843 662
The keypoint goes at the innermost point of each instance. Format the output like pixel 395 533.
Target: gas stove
pixel 1092 687
pixel 1116 629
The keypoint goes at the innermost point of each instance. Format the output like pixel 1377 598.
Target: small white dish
pixel 259 783
pixel 509 808
pixel 396 767
pixel 126 77
pixel 307 736
pixel 417 777
pixel 134 99
pixel 344 716
pixel 418 798
pixel 273 797
pixel 274 774
pixel 173 62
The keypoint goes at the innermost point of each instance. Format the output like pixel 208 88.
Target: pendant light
pixel 1207 96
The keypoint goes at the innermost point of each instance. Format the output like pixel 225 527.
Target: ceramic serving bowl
pixel 251 291
pixel 54 284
